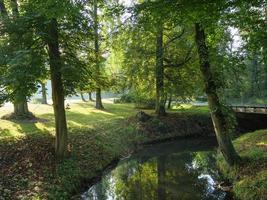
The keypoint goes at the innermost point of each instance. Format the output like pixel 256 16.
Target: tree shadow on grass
pixel 19 128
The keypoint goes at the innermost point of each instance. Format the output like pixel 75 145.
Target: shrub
pixel 144 103
pixel 125 98
pixel 139 101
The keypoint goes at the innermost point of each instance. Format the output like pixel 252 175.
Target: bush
pixel 139 101
pixel 125 98
pixel 144 103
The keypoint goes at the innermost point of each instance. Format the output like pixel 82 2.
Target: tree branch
pixel 187 58
pixel 174 38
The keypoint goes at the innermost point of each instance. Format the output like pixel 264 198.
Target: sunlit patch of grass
pixel 190 109
pixel 182 106
pixel 80 115
pixel 250 178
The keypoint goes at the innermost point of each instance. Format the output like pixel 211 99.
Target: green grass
pixel 96 138
pixel 80 115
pixel 189 109
pixel 250 179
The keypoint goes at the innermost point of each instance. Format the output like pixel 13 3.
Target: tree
pixel 57 89
pixel 21 55
pixel 60 27
pixel 98 101
pixel 222 124
pixel 160 95
pixel 44 93
pixel 156 50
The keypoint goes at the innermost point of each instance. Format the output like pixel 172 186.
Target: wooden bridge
pixel 250 109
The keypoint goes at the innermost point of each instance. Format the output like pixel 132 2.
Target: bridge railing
pixel 248 108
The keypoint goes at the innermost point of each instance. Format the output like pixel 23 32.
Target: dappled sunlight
pixel 5 133
pixel 79 115
pixel 9 129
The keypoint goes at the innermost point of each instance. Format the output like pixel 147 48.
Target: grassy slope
pixel 28 170
pixel 250 179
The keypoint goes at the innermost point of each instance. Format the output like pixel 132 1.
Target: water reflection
pixel 170 171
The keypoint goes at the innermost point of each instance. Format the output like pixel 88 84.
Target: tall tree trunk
pixel 221 125
pixel 160 100
pixel 90 96
pixel 98 100
pixel 99 104
pixel 44 94
pixel 83 99
pixel 57 90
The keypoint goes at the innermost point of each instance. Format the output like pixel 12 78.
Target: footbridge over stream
pixel 250 118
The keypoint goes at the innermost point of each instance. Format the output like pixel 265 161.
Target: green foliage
pixel 140 101
pixel 125 98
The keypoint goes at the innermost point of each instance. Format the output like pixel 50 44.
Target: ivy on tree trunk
pixel 221 123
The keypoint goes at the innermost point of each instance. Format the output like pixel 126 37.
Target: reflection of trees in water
pixel 100 190
pixel 163 178
pixel 204 161
pixel 139 184
pixel 166 177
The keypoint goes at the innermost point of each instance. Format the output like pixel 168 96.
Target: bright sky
pixel 127 2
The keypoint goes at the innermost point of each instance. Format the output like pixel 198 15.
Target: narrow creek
pixel 183 169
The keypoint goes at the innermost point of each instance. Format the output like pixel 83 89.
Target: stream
pixel 176 170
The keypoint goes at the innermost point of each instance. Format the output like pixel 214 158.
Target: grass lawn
pixel 80 115
pixel 250 179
